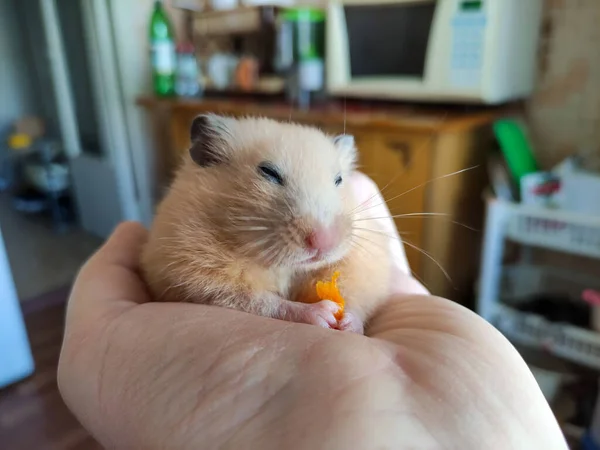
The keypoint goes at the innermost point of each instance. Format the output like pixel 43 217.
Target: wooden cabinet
pixel 411 156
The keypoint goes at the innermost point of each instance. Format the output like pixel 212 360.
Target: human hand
pixel 372 204
pixel 431 374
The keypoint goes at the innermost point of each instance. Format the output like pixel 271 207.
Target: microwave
pixel 465 51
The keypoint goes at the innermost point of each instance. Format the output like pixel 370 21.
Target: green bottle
pixel 162 44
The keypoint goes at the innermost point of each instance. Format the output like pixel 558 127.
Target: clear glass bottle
pixel 187 82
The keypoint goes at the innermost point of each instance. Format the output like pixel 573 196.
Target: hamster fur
pixel 257 213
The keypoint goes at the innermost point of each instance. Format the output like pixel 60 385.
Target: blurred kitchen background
pixel 480 119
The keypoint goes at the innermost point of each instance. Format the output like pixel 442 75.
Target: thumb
pixel 110 280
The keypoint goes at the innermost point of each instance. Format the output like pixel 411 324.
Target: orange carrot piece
pixel 328 290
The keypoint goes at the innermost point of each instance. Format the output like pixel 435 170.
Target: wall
pixel 32 37
pixel 564 113
pixel 130 26
pixel 76 51
pixel 16 96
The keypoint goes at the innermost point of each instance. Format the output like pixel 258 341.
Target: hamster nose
pixel 322 238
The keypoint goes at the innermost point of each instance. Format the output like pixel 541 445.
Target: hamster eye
pixel 269 172
pixel 338 180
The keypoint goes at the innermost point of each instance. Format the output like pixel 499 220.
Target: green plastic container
pixel 516 148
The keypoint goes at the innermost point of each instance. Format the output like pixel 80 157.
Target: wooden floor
pixel 32 413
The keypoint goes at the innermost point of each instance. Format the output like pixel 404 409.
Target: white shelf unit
pixel 501 287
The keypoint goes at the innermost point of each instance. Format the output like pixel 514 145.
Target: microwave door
pixel 388 40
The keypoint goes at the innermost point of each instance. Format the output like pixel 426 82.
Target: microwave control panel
pixel 468 28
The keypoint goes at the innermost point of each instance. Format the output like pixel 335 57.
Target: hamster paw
pixel 321 314
pixel 350 322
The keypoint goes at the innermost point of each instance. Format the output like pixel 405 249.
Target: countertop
pixel 431 118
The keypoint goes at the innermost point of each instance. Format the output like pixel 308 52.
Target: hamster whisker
pixel 240 215
pixel 423 216
pixel 377 244
pixel 423 185
pixel 383 233
pixel 361 247
pixel 239 196
pixel 268 253
pixel 279 257
pixel 344 114
pixel 397 216
pixel 246 248
pixel 381 191
pixel 401 172
pixel 405 242
pixel 249 218
pixel 419 279
pixel 464 225
pixel 428 255
pixel 241 205
pixel 257 228
pixel 287 205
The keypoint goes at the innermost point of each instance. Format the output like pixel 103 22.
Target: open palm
pixel 429 374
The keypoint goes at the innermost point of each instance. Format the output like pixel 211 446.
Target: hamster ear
pixel 210 136
pixel 346 145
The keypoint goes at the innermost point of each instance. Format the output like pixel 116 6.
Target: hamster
pixel 258 212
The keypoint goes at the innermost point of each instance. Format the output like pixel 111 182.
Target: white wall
pixel 16 94
pixel 131 27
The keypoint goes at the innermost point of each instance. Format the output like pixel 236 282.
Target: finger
pixel 330 305
pixel 123 247
pixel 437 342
pixel 350 322
pixel 405 284
pixel 374 205
pixel 110 281
pixel 367 193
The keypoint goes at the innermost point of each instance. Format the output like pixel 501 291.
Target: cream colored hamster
pixel 258 212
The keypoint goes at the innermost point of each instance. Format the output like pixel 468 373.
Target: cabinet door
pixel 400 165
